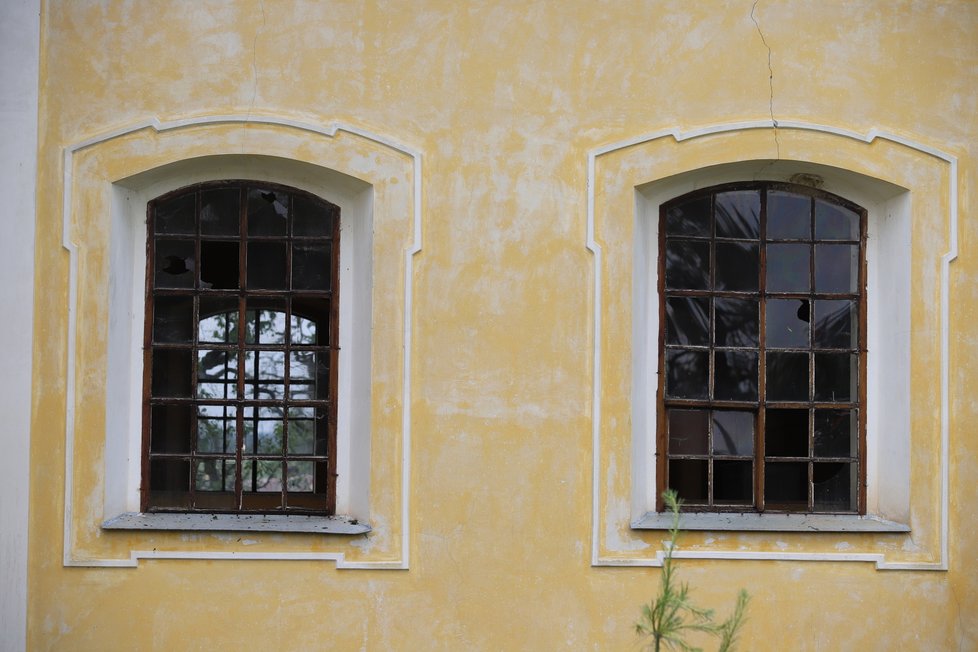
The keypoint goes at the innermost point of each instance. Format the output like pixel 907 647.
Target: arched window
pixel 762 349
pixel 239 409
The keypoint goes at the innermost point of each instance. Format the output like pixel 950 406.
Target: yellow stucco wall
pixel 503 102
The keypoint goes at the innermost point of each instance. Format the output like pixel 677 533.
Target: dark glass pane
pixel 786 486
pixel 172 373
pixel 834 222
pixel 691 217
pixel 220 211
pixel 836 433
pixel 266 265
pixel 835 376
pixel 787 376
pixel 311 266
pixel 217 374
pixel 836 324
pixel 689 479
pixel 787 323
pixel 264 429
pixel 218 320
pixel 265 321
pixel 738 214
pixel 173 319
pixel 687 265
pixel 170 429
pixel 169 483
pixel 687 321
pixel 174 263
pixel 733 432
pixel 302 431
pixel 736 322
pixel 733 482
pixel 737 265
pixel 301 476
pixel 177 215
pixel 836 268
pixel 736 376
pixel 311 217
pixel 218 265
pixel 687 373
pixel 268 212
pixel 265 375
pixel 786 433
pixel 215 475
pixel 308 375
pixel 789 216
pixel 310 321
pixel 688 432
pixel 788 268
pixel 216 428
pixel 834 486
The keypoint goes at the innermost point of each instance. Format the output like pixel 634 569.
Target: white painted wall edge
pixel 328 130
pixel 19 54
pixel 949 256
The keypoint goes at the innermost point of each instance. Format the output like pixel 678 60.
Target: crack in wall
pixel 770 79
pixel 254 60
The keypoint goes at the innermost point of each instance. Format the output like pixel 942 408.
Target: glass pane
pixel 310 320
pixel 173 319
pixel 216 428
pixel 737 265
pixel 789 216
pixel 733 432
pixel 689 478
pixel 266 265
pixel 687 373
pixel 834 222
pixel 215 475
pixel 268 212
pixel 787 376
pixel 787 323
pixel 786 433
pixel 688 432
pixel 736 376
pixel 736 322
pixel 172 373
pixel 169 483
pixel 302 476
pixel 265 325
pixel 687 320
pixel 311 266
pixel 836 324
pixel 687 265
pixel 788 268
pixel 738 214
pixel 174 264
pixel 691 217
pixel 834 486
pixel 218 320
pixel 836 376
pixel 836 268
pixel 263 430
pixel 786 486
pixel 303 330
pixel 218 265
pixel 217 374
pixel 311 217
pixel 836 433
pixel 177 215
pixel 220 211
pixel 309 375
pixel 733 482
pixel 302 435
pixel 170 429
pixel 267 475
pixel 265 375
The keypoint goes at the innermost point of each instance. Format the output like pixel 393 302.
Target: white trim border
pixel 946 259
pixel 329 131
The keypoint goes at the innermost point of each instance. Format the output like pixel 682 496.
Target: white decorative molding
pixel 330 131
pixel 946 258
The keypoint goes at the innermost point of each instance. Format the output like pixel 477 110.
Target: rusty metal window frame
pixel 691 465
pixel 272 403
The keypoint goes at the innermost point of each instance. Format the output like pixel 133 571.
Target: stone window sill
pixel 237 523
pixel 769 522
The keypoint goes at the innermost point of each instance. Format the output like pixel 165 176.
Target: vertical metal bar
pixel 240 349
pixel 862 349
pixel 761 420
pixel 661 449
pixel 144 484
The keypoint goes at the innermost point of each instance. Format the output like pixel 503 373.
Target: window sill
pixel 769 522
pixel 237 523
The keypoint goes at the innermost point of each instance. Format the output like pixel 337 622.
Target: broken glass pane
pixel 268 212
pixel 174 263
pixel 787 323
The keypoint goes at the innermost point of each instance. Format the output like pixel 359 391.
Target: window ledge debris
pixel 237 523
pixel 770 522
